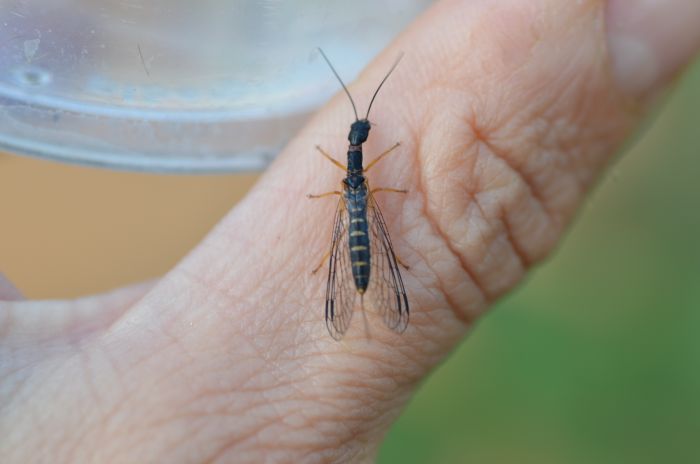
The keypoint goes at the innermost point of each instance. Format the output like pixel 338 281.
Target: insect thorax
pixel 354 183
pixel 355 160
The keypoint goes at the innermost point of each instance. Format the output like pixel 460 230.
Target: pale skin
pixel 507 112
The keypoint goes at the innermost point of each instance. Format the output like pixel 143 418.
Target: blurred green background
pixel 596 358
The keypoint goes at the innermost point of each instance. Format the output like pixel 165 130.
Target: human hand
pixel 507 112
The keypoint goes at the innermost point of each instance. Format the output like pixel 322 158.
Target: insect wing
pixel 385 289
pixel 340 289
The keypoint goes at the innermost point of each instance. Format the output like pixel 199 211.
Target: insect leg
pixel 382 156
pixel 331 159
pixel 398 260
pixel 323 260
pixel 385 189
pixel 313 197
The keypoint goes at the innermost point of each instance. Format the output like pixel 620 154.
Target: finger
pixel 34 323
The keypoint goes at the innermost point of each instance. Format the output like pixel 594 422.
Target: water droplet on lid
pixel 32 76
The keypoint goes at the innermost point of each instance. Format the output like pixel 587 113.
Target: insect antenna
pixel 396 63
pixel 341 82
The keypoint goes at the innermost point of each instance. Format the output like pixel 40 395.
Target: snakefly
pixel 361 258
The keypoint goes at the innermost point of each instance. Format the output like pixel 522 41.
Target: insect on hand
pixel 361 259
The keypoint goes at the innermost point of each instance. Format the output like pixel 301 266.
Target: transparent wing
pixel 385 290
pixel 340 288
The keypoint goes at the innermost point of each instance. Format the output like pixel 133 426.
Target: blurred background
pixel 595 359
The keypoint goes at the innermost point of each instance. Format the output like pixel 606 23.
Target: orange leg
pixel 327 194
pixel 323 260
pixel 331 159
pixel 404 265
pixel 384 189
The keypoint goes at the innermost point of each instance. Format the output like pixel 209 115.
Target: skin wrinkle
pixel 238 389
pixel 170 376
pixel 300 368
pixel 227 443
pixel 178 425
pixel 501 224
pixel 436 229
pixel 255 411
pixel 464 318
pixel 479 133
pixel 177 448
pixel 9 396
pixel 533 187
pixel 275 443
pixel 255 268
pixel 473 151
pixel 524 261
pixel 168 342
pixel 383 388
pixel 10 357
pixel 210 286
pixel 276 402
pixel 504 227
pixel 567 159
pixel 480 136
pixel 74 447
pixel 345 377
pixel 514 164
pixel 330 433
pixel 236 441
pixel 258 343
pixel 345 390
pixel 103 419
pixel 568 130
pixel 112 414
pixel 254 319
pixel 32 373
pixel 421 319
pixel 115 368
pixel 333 430
pixel 553 158
pixel 13 437
pixel 493 259
pixel 87 426
pixel 177 431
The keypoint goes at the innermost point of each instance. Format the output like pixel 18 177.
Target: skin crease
pixel 506 112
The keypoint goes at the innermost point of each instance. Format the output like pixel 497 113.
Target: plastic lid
pixel 159 85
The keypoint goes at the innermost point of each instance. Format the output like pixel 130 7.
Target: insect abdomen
pixel 359 239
